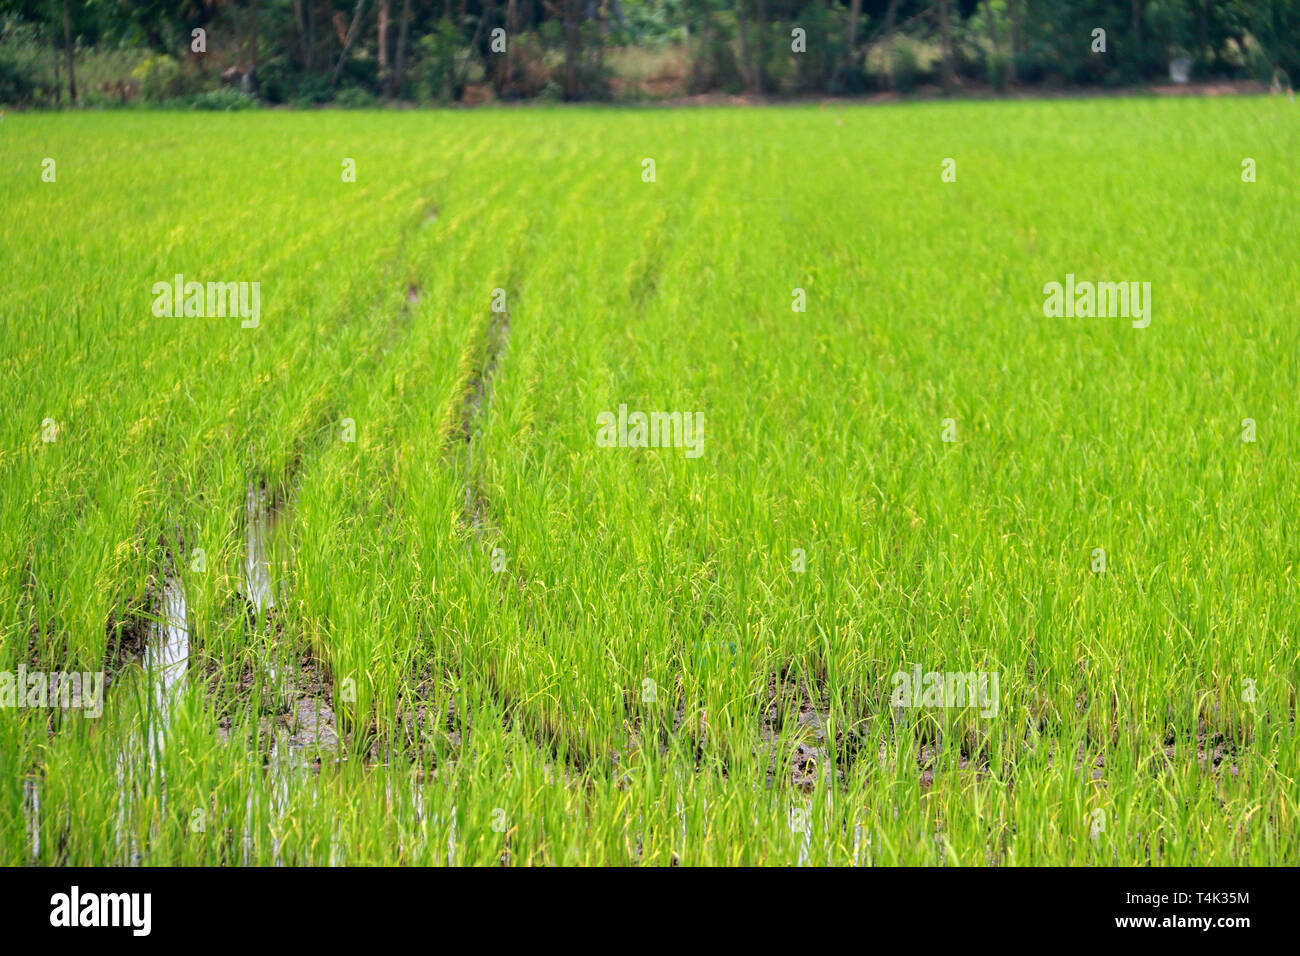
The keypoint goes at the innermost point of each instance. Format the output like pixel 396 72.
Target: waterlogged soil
pixel 296 701
pixel 128 636
pixel 479 388
pixel 298 709
pixel 297 717
pixel 812 759
pixel 297 712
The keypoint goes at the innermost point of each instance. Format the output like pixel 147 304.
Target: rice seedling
pixel 912 571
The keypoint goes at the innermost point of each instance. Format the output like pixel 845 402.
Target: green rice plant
pixel 431 618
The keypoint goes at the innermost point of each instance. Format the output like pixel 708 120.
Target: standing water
pixel 165 662
pixel 32 810
pixel 167 652
pixel 259 523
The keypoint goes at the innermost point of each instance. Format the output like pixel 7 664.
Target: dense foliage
pixel 359 51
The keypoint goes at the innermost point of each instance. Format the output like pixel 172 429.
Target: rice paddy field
pixel 369 582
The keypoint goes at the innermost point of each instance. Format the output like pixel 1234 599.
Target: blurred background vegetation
pixel 229 54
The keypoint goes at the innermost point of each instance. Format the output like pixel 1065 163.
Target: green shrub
pixel 25 77
pixel 907 67
pixel 435 63
pixel 355 98
pixel 277 80
pixel 17 85
pixel 227 98
pixel 312 91
pixel 161 79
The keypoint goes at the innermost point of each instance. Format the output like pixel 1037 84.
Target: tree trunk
pixel 1203 52
pixel 1002 69
pixel 993 28
pixel 250 77
pixel 399 70
pixel 1017 49
pixel 1136 6
pixel 855 18
pixel 945 35
pixel 311 35
pixel 512 30
pixel 300 25
pixel 384 79
pixel 891 20
pixel 58 60
pixel 572 47
pixel 493 66
pixel 458 81
pixel 602 37
pixel 746 58
pixel 347 42
pixel 67 42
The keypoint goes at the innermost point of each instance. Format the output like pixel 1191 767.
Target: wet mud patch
pixel 259 594
pixel 476 510
pixel 478 390
pixel 152 633
pixel 128 633
pixel 1215 751
pixel 274 690
pixel 293 738
pixel 799 713
pixel 429 718
pixel 797 716
pixel 288 688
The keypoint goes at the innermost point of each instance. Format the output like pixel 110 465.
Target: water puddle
pixel 292 740
pixel 164 665
pixel 302 727
pixel 32 811
pixel 259 524
pixel 167 651
pixel 287 764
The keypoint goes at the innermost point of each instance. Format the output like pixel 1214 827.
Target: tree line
pixel 366 51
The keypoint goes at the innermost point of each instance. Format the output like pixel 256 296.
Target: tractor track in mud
pixel 141 633
pixel 471 419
